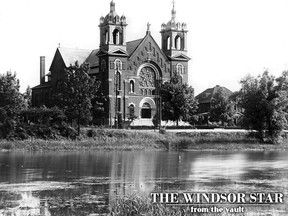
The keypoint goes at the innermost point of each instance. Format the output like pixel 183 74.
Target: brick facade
pixel 132 72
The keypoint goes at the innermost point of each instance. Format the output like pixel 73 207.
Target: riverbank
pixel 110 139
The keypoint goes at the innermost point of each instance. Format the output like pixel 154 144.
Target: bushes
pixel 44 123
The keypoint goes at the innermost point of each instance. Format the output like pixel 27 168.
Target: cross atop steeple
pixel 173 10
pixel 112 6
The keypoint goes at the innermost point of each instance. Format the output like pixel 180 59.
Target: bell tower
pixel 112 31
pixel 174 36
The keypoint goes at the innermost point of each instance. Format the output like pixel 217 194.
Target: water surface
pixel 35 183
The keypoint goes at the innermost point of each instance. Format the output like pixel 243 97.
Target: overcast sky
pixel 227 39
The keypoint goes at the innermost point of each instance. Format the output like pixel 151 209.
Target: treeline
pixel 19 121
pixel 260 105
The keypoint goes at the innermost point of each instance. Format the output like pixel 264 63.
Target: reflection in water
pixel 39 177
pixel 27 205
pixel 213 167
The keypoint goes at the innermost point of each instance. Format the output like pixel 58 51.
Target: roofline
pixel 146 36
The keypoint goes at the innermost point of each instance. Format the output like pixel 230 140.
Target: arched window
pixel 180 69
pixel 116 36
pixel 103 65
pixel 118 80
pixel 132 85
pixel 106 37
pixel 146 111
pixel 153 92
pixel 145 91
pixel 118 64
pixel 131 110
pixel 177 42
pixel 168 43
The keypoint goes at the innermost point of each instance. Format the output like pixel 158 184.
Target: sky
pixel 227 39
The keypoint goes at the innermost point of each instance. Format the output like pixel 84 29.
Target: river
pixel 80 183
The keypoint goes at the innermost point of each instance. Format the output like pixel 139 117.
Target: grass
pixel 140 204
pixel 111 139
pixel 135 204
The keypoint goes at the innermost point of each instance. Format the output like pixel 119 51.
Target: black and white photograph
pixel 144 108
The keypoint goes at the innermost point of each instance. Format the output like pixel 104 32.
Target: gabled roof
pixel 71 55
pixel 132 45
pixel 180 57
pixel 93 59
pixel 207 95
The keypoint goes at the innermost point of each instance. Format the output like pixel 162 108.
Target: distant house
pixel 131 72
pixel 206 98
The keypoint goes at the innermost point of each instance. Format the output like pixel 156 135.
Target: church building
pixel 131 72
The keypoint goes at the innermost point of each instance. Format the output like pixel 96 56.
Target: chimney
pixel 42 69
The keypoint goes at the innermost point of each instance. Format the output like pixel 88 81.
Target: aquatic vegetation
pixel 111 139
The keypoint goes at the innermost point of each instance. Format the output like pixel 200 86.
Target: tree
pixel 76 92
pixel 222 108
pixel 28 97
pixel 11 101
pixel 264 105
pixel 178 102
pixel 11 98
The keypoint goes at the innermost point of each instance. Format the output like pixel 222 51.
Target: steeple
pixel 174 35
pixel 112 30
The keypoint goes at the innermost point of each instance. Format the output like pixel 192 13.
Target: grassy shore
pixel 109 139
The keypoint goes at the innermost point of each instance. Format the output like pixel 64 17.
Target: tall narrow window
pixel 168 43
pixel 177 42
pixel 118 81
pixel 103 66
pixel 116 36
pixel 131 110
pixel 119 104
pixel 106 37
pixel 131 86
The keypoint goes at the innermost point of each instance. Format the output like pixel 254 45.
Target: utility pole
pixel 116 102
pixel 159 107
pixel 124 104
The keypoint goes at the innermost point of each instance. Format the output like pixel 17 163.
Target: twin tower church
pixel 131 72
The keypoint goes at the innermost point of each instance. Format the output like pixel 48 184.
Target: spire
pixel 173 11
pixel 112 6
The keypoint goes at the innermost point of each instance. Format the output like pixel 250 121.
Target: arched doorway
pixel 146 110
